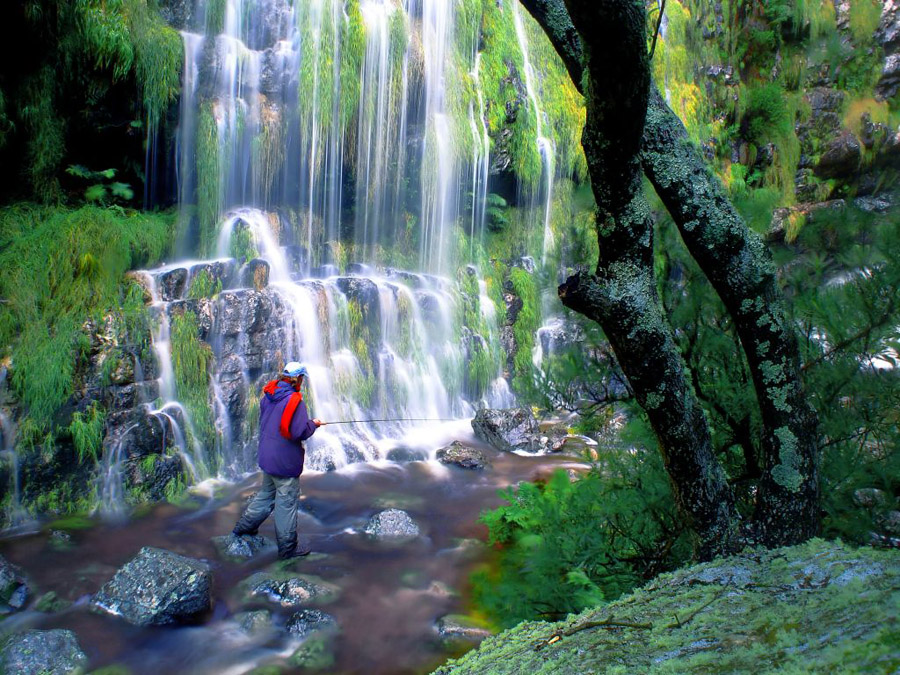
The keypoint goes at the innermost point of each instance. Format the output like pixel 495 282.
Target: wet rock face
pixel 157 587
pixel 13 587
pixel 392 525
pixel 308 621
pixel 218 271
pixel 463 456
pixel 36 652
pixel 511 430
pixel 255 274
pixel 888 36
pixel 841 158
pixel 171 284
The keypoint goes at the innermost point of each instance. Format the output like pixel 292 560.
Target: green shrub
pixel 566 545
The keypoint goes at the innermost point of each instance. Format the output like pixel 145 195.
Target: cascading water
pixel 15 514
pixel 544 143
pixel 305 128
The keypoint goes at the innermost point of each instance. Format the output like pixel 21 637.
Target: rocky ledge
pixel 817 607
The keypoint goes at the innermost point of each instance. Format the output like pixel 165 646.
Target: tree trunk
pixel 622 295
pixel 740 268
pixel 735 261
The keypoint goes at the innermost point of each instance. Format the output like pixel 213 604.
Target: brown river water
pixel 391 595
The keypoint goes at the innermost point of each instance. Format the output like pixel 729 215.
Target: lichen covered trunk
pixel 740 268
pixel 622 295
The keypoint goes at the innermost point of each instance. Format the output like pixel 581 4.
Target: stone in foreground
pixel 817 607
pixel 392 525
pixel 157 587
pixel 232 547
pixel 463 456
pixel 308 621
pixel 37 652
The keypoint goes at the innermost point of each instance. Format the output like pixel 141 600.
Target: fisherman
pixel 283 426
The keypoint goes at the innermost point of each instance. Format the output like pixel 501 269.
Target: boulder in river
pixel 511 429
pixel 292 590
pixel 232 547
pixel 392 525
pixel 463 456
pixel 42 651
pixel 157 587
pixel 308 621
pixel 13 587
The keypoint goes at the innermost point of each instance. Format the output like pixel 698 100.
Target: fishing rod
pixel 396 419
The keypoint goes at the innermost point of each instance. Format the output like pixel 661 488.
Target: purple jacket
pixel 279 456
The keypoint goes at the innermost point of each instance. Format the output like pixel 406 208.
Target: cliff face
pixel 821 606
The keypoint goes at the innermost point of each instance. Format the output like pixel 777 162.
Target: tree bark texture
pixel 735 261
pixel 740 268
pixel 622 296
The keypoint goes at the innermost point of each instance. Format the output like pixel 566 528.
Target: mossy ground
pixel 818 607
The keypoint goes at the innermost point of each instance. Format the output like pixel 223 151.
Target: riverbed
pixel 391 595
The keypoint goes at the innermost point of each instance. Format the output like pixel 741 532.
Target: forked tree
pixel 630 131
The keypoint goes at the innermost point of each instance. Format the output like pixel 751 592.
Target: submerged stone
pixel 292 590
pixel 463 456
pixel 36 652
pixel 255 622
pixel 316 653
pixel 244 547
pixel 157 587
pixel 392 525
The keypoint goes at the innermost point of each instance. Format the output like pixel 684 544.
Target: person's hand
pixel 319 423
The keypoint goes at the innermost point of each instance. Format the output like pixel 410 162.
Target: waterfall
pixel 15 513
pixel 544 143
pixel 328 160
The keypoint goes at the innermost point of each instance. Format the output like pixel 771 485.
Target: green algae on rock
pixel 820 606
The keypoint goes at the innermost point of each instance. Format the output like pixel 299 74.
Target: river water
pixel 391 595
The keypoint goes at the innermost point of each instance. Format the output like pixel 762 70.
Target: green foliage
pixel 47 303
pixel 242 246
pixel 102 193
pixel 844 287
pixel 203 286
pixel 765 114
pixel 570 544
pixel 87 433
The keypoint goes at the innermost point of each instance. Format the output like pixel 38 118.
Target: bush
pixel 566 545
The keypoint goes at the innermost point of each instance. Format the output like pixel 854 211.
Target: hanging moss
pixel 203 286
pixel 158 58
pixel 208 176
pixel 353 47
pixel 191 360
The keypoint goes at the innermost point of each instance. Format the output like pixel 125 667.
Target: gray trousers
pixel 278 494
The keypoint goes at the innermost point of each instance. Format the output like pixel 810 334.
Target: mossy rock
pixel 290 589
pixel 315 654
pixel 818 607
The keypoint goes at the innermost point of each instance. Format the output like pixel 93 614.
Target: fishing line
pixel 398 419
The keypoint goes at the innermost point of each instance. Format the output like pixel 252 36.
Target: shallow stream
pixel 391 595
